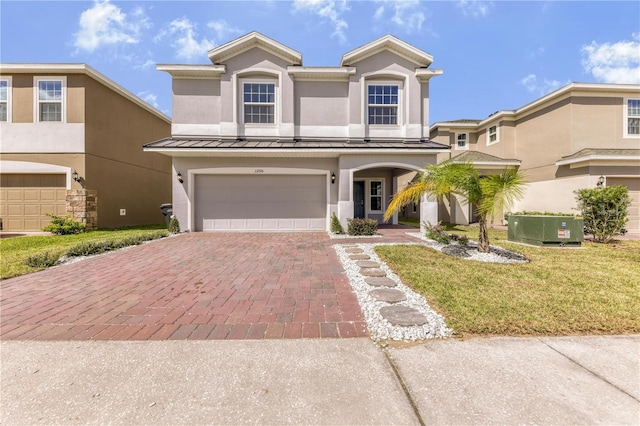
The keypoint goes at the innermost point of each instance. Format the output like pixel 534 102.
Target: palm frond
pixel 410 194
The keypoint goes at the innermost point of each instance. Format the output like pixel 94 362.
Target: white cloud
pixel 106 24
pixel 330 10
pixel 531 83
pixel 223 29
pixel 617 62
pixel 406 14
pixel 150 98
pixel 184 38
pixel 148 64
pixel 474 8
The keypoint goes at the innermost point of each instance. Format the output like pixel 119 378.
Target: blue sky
pixel 495 54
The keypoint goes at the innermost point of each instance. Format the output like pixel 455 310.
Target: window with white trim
pixel 462 140
pixel 632 124
pixel 259 102
pixel 375 196
pixel 382 102
pixel 492 134
pixel 50 93
pixel 5 94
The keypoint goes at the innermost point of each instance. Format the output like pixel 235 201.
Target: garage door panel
pixel 26 199
pixel 270 203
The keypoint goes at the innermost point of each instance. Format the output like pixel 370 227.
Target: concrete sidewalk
pixel 571 380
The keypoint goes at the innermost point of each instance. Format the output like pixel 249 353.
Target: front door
pixel 358 199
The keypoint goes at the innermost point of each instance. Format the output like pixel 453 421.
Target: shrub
pixel 336 226
pixel 463 240
pixel 42 260
pixel 96 247
pixel 437 233
pixel 358 226
pixel 604 210
pixel 64 225
pixel 536 213
pixel 174 225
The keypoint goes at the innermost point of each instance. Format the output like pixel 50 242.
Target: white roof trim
pixel 597 157
pixel 388 42
pixel 321 73
pixel 32 68
pixel 426 73
pixel 193 71
pixel 248 41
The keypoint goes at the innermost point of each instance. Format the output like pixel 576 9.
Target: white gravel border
pixel 379 327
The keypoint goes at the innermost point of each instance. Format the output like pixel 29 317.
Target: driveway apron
pixel 193 286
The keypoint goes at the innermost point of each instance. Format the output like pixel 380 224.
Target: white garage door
pixel 633 223
pixel 260 203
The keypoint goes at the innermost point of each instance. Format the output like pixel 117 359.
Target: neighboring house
pixel 71 143
pixel 572 138
pixel 261 142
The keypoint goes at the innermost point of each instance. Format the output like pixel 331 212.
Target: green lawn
pixel 14 251
pixel 591 290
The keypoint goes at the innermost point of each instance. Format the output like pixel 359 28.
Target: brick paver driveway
pixel 193 286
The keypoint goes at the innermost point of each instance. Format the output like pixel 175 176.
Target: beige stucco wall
pixel 196 101
pixel 319 103
pixel 124 175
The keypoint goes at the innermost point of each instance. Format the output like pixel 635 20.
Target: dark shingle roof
pixel 481 157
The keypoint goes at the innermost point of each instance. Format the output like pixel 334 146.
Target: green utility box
pixel 558 231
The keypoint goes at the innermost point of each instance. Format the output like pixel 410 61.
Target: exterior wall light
pixel 75 176
pixel 333 178
pixel 600 181
pixel 179 176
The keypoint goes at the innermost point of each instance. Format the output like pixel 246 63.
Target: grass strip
pixel 592 290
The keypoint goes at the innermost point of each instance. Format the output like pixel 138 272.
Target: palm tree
pixel 489 194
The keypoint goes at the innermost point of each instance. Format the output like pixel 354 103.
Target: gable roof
pixel 392 44
pixel 235 47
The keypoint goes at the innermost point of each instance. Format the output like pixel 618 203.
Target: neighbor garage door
pixel 25 199
pixel 260 203
pixel 633 225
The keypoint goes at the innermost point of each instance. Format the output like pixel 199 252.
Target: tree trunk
pixel 483 237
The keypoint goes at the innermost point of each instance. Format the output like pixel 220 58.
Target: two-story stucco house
pixel 71 143
pixel 261 142
pixel 578 136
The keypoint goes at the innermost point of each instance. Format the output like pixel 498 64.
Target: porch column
pixel 345 200
pixel 428 212
pixel 394 189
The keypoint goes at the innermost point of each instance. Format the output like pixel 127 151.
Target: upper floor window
pixel 259 103
pixel 5 88
pixel 50 99
pixel 492 134
pixel 633 117
pixel 461 140
pixel 383 103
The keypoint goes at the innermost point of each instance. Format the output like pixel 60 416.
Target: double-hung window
pixel 50 99
pixel 382 101
pixel 259 103
pixel 461 140
pixel 492 134
pixel 4 99
pixel 633 117
pixel 375 196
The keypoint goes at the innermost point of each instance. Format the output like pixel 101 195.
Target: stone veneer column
pixel 82 205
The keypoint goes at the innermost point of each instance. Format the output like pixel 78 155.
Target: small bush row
pixel 535 213
pixel 88 248
pixel 358 226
